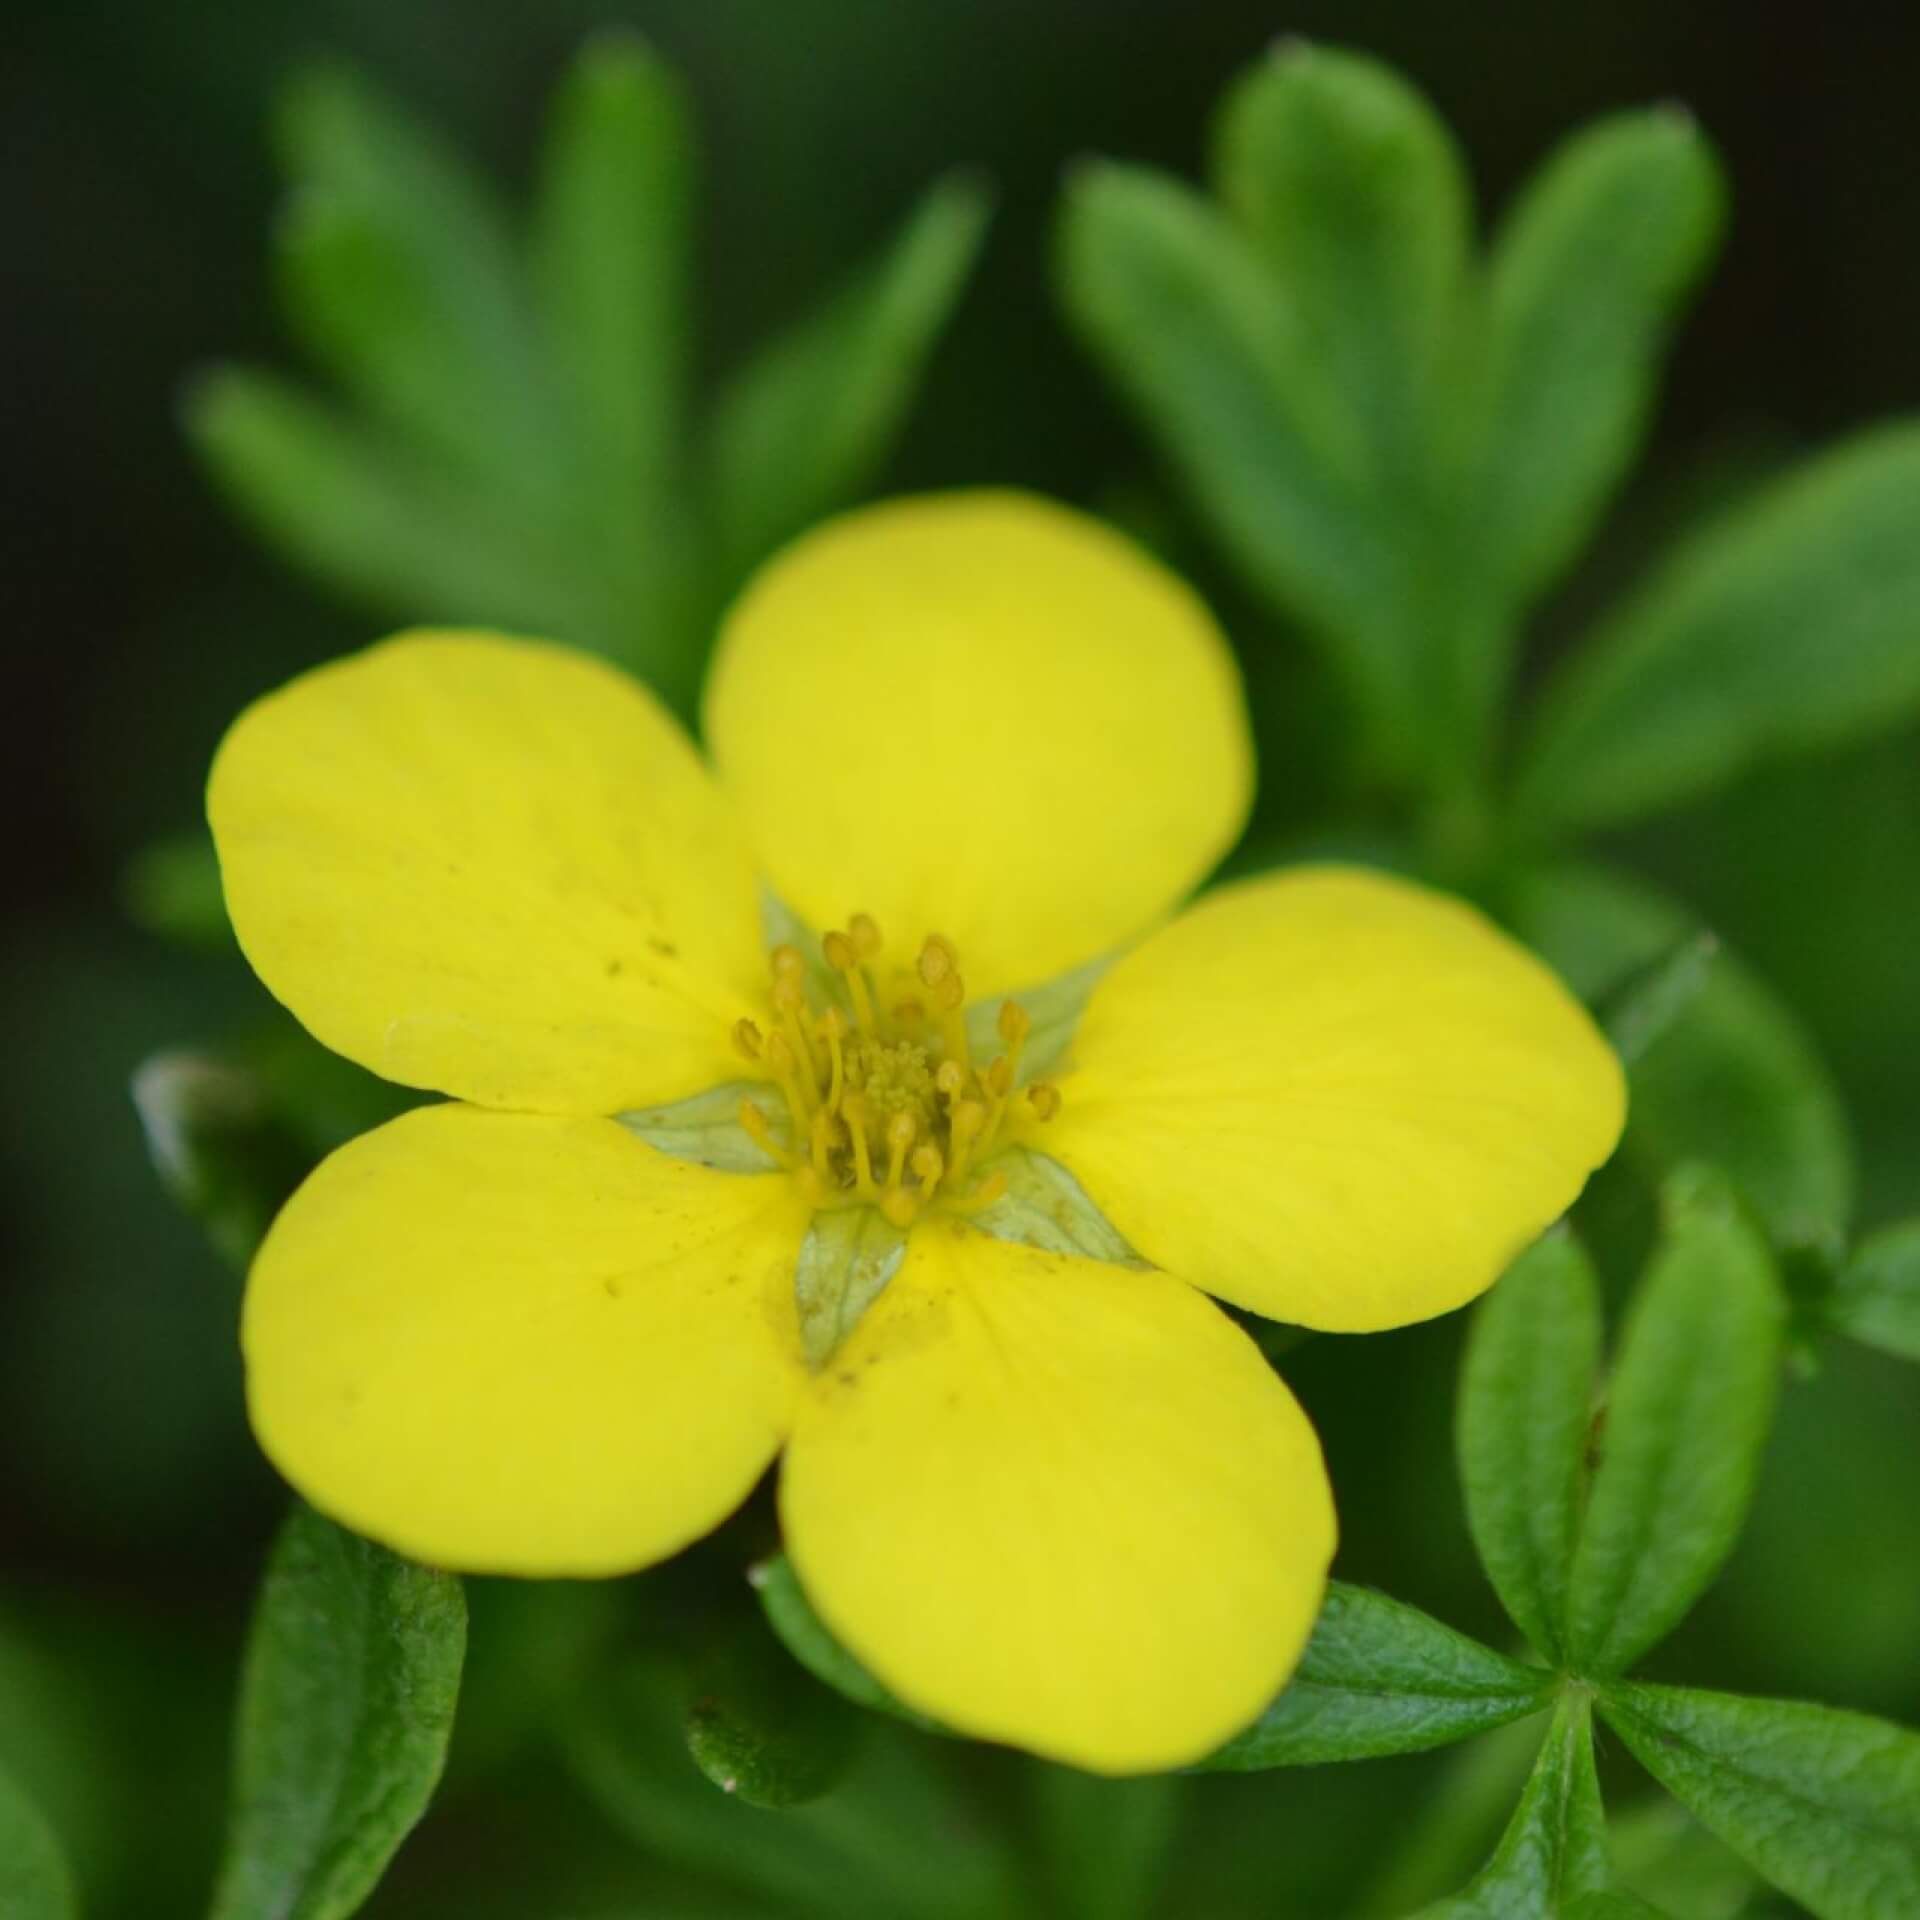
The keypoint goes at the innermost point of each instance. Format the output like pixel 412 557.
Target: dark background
pixel 136 196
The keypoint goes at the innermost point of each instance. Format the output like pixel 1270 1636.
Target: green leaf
pixel 811 1642
pixel 1660 1850
pixel 347 1700
pixel 533 1646
pixel 1783 628
pixel 848 1256
pixel 1686 1420
pixel 1734 1080
pixel 611 253
pixel 1655 996
pixel 1105 1844
pixel 1877 1297
pixel 1045 1206
pixel 1353 191
pixel 35 1883
pixel 363 306
pixel 368 516
pixel 762 1727
pixel 1381 1677
pixel 1825 1804
pixel 705 1127
pixel 1737 1082
pixel 1054 1008
pixel 805 426
pixel 1554 1851
pixel 421 303
pixel 1192 326
pixel 172 888
pixel 1611 1906
pixel 1588 273
pixel 891 1841
pixel 219 1146
pixel 1526 1398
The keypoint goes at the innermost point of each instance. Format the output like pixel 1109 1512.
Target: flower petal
pixel 981 715
pixel 518 1344
pixel 1061 1504
pixel 492 868
pixel 1335 1098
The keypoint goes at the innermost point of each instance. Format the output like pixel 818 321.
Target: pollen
pixel 887 1105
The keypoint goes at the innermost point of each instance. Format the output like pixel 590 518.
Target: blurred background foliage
pixel 140 184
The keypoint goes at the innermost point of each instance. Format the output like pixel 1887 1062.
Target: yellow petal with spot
pixel 985 716
pixel 1335 1098
pixel 1061 1504
pixel 512 1343
pixel 492 868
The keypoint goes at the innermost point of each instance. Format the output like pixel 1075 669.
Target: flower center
pixel 888 1106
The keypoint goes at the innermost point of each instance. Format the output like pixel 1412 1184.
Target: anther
pixel 999 1078
pixel 937 960
pixel 747 1039
pixel 788 963
pixel 949 1077
pixel 760 1128
pixel 990 1189
pixel 1015 1022
pixel 865 934
pixel 1044 1099
pixel 928 1166
pixel 983 1194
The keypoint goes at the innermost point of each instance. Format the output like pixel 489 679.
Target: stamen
pixel 937 960
pixel 949 997
pixel 906 1094
pixel 789 1003
pixel 824 1130
pixel 969 1116
pixel 991 1187
pixel 901 1130
pixel 833 1023
pixel 785 1064
pixel 998 1080
pixel 1015 1024
pixel 760 1128
pixel 843 956
pixel 858 1118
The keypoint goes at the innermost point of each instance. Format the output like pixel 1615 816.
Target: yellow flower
pixel 1040 1484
